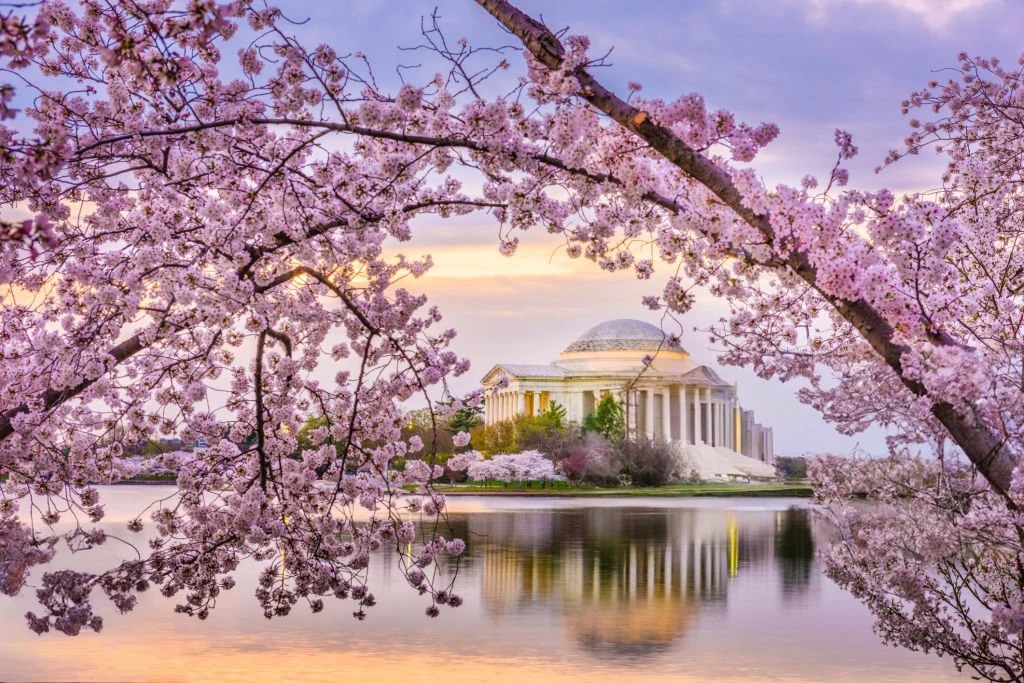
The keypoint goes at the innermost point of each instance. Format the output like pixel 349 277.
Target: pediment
pixel 704 375
pixel 523 371
pixel 495 375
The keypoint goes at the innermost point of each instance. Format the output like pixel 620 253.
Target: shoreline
pixel 670 491
pixel 711 491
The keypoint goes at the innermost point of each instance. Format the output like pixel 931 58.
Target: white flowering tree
pixel 509 467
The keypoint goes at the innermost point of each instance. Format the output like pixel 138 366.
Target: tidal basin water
pixel 565 589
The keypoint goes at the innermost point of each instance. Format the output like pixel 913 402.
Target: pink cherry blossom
pixel 200 247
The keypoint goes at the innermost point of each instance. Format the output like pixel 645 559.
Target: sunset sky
pixel 811 66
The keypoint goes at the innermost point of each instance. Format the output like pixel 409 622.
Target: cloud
pixel 936 14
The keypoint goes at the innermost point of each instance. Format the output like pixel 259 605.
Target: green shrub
pixel 608 420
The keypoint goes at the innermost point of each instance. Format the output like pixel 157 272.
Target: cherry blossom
pixel 529 465
pixel 199 246
pixel 903 311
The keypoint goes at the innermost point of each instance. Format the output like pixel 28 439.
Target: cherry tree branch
pixel 986 449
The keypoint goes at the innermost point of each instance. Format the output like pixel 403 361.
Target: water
pixel 564 589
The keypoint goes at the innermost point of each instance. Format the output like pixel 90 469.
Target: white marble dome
pixel 623 335
pixel 621 346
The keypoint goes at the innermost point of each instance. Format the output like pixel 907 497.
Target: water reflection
pixel 794 550
pixel 566 589
pixel 631 582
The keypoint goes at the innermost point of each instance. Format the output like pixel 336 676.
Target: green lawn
pixel 674 490
pixel 163 477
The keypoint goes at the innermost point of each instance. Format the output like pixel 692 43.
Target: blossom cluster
pixel 529 465
pixel 931 551
pixel 203 250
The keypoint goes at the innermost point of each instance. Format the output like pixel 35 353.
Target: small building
pixel 664 393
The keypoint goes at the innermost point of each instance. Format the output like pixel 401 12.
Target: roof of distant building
pixel 624 335
pixel 524 370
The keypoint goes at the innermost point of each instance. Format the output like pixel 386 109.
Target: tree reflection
pixel 794 550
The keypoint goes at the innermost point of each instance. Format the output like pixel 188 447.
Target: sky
pixel 810 66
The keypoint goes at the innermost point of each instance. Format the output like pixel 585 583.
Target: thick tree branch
pixel 54 397
pixel 982 445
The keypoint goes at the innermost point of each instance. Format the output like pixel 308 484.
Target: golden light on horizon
pixel 251 659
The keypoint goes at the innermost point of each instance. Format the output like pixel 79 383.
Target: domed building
pixel 673 399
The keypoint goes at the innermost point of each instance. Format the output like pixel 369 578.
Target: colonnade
pixel 504 405
pixel 692 414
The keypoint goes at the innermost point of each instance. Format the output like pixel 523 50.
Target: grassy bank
pixel 162 478
pixel 561 488
pixel 671 491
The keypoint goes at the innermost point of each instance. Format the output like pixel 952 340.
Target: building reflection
pixel 629 582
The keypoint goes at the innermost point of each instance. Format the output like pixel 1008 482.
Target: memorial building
pixel 674 399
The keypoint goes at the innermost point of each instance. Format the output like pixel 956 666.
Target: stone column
pixel 666 414
pixel 732 425
pixel 716 424
pixel 683 427
pixel 649 414
pixel 695 407
pixel 712 436
pixel 720 423
pixel 520 403
pixel 712 422
pixel 702 416
pixel 714 418
pixel 739 428
pixel 706 422
pixel 698 420
pixel 725 423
